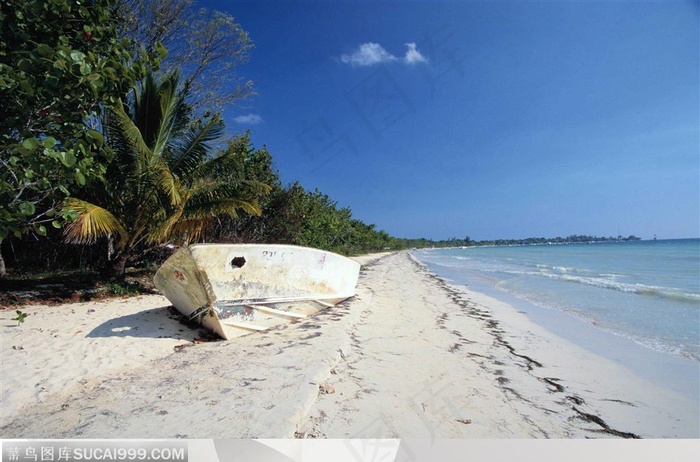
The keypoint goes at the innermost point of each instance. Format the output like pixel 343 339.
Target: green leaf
pixel 56 224
pixel 161 50
pixel 24 65
pixel 107 153
pixel 27 208
pixel 30 144
pixel 68 159
pixel 20 317
pixel 77 56
pixel 44 50
pixel 49 142
pixel 25 86
pixel 95 137
pixel 96 85
pixel 69 215
pixel 41 230
pixel 60 64
pixel 79 178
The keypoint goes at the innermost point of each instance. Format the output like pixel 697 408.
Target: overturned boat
pixel 235 289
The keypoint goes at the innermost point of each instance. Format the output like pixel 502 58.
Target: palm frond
pixel 146 112
pixel 169 106
pixel 191 230
pixel 92 223
pixel 225 165
pixel 189 151
pixel 162 229
pixel 257 188
pixel 166 183
pixel 133 137
pixel 220 199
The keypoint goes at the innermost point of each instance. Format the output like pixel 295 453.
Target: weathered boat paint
pixel 234 289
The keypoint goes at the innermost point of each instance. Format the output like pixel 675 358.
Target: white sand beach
pixel 408 357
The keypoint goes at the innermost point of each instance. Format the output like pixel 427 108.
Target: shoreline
pixel 680 374
pixel 410 356
pixel 668 370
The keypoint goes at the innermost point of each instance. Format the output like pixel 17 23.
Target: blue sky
pixel 487 119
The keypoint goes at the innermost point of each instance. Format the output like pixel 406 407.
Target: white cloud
pixel 250 119
pixel 413 55
pixel 371 53
pixel 368 54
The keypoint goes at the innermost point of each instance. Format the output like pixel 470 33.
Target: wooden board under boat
pixel 235 289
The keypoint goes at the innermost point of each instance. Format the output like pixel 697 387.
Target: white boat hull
pixel 235 289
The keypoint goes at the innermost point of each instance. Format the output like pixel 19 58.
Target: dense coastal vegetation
pixel 112 146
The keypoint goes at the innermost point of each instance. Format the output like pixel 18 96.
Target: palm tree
pixel 163 182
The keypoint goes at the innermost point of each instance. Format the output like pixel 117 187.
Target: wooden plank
pixel 274 311
pixel 244 325
pixel 271 300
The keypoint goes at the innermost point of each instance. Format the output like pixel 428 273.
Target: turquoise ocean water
pixel 646 292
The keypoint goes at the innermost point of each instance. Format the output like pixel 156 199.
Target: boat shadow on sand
pixel 162 322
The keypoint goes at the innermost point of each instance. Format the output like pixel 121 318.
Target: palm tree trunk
pixel 119 265
pixel 3 271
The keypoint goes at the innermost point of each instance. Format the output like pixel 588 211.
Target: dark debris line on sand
pixel 605 428
pixel 531 364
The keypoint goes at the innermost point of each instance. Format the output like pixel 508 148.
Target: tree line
pixel 468 242
pixel 112 147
